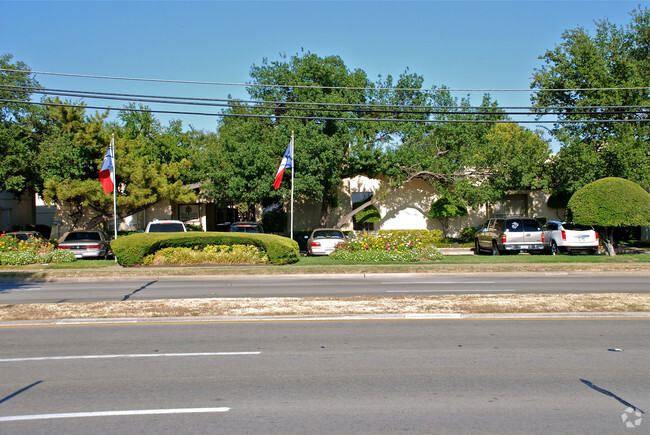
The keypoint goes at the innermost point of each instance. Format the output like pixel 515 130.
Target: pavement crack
pixel 127 297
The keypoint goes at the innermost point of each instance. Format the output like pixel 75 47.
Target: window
pixel 514 226
pixel 530 225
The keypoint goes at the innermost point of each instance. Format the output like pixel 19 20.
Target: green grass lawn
pixel 503 259
pixel 328 264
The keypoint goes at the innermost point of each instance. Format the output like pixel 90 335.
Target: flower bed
pixel 16 252
pixel 386 247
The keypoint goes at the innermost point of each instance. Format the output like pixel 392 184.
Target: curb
pixel 333 318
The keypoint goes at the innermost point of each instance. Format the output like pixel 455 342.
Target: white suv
pixel 561 237
pixel 169 226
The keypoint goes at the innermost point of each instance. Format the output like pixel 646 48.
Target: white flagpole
pixel 114 185
pixel 293 163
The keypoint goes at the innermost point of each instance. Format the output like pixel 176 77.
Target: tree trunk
pixel 325 212
pixel 608 241
pixel 348 216
pixel 444 223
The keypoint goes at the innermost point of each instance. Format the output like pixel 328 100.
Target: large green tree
pixel 321 101
pixel 21 128
pixel 149 165
pixel 598 85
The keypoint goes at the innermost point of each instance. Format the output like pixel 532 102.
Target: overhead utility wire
pixel 355 108
pixel 193 82
pixel 329 118
pixel 230 102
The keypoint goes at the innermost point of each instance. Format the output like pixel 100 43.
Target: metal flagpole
pixel 292 165
pixel 114 186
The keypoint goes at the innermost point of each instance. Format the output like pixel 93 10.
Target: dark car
pixel 87 244
pixel 26 235
pixel 510 235
pixel 246 227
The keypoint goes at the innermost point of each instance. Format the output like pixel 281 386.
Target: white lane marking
pixel 452 289
pixel 435 282
pixel 136 355
pixel 111 413
pixel 21 289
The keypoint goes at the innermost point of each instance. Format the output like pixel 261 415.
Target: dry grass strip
pixel 462 304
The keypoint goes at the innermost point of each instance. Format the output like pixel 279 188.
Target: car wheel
pixel 477 248
pixel 495 249
pixel 554 248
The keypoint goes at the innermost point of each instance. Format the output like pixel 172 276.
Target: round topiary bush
pixel 609 203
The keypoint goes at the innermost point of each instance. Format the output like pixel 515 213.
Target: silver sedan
pixel 86 244
pixel 323 241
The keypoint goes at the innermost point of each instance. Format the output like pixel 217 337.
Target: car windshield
pixel 82 236
pixel 165 228
pixel 576 227
pixel 327 234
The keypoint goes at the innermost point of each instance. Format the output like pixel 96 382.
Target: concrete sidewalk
pixel 457 251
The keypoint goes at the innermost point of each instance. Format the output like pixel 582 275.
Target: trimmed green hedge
pixel 131 250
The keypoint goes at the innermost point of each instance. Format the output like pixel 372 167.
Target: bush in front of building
pixel 131 250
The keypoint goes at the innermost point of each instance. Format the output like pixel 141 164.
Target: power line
pixel 289 104
pixel 213 83
pixel 329 118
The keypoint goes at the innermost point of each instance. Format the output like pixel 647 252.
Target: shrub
pixel 18 258
pixel 409 256
pixel 132 249
pixel 432 253
pixel 214 254
pixel 467 235
pixel 61 256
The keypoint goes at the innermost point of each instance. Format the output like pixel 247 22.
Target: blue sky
pixel 459 44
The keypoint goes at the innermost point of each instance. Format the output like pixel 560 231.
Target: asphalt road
pixel 321 286
pixel 364 377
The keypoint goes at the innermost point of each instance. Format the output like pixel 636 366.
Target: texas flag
pixel 107 172
pixel 287 162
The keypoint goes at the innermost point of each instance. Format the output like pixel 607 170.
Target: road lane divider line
pixel 112 413
pixel 508 290
pixel 135 355
pixel 435 282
